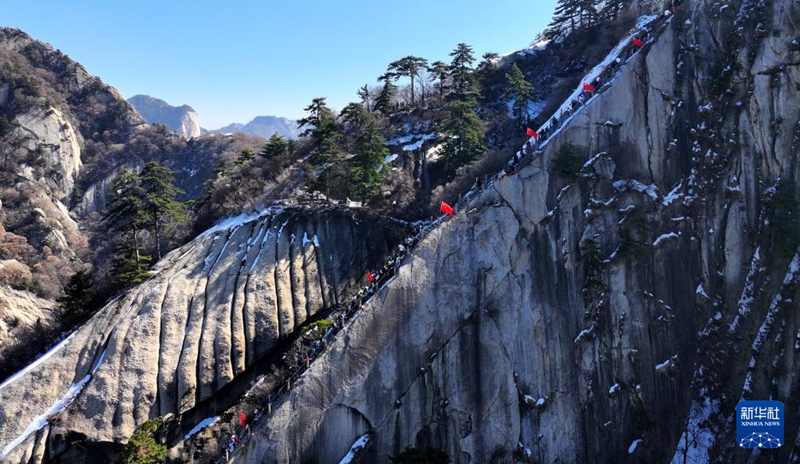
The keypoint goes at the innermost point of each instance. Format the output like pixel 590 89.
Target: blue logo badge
pixel 759 424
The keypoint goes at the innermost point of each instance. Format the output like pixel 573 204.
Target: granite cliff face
pixel 615 316
pixel 173 344
pixel 612 313
pixel 182 119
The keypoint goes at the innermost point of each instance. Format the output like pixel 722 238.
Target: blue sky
pixel 234 60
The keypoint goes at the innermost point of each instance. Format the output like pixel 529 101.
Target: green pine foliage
pixel 580 15
pixel 440 70
pixel 370 150
pixel 463 85
pixel 245 156
pixel 465 137
pixel 324 132
pixel 143 448
pixel 125 211
pixel 129 265
pixel 275 148
pixel 138 203
pixel 79 298
pixel 568 161
pixel 159 201
pixel 521 91
pixel 364 96
pixel 384 103
pixel 410 67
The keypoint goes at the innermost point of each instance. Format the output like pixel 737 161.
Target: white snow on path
pixel 237 221
pixel 38 361
pixel 661 239
pixel 641 22
pixel 42 419
pixel 203 424
pixel 359 444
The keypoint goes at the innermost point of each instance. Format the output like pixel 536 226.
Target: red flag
pixel 588 87
pixel 637 42
pixel 242 418
pixel 446 209
pixel 532 133
pixel 369 277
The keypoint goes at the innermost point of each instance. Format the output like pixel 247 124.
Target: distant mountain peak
pixel 182 119
pixel 264 126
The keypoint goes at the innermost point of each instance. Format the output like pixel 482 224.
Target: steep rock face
pixel 215 307
pixel 560 319
pixel 19 309
pixel 182 119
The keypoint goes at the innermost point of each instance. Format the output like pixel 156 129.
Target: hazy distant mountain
pixel 182 119
pixel 264 126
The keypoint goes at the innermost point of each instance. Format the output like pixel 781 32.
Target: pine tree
pixel 363 94
pixel 353 116
pixel 409 66
pixel 521 91
pixel 570 16
pixel 440 71
pixel 320 125
pixel 129 266
pixel 142 448
pixel 370 148
pixel 159 201
pixel 276 147
pixel 489 61
pixel 78 299
pixel 612 9
pixel 465 134
pixel 245 156
pixel 588 13
pixel 125 210
pixel 462 76
pixel 383 104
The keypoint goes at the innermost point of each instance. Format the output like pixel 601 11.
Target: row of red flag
pixel 586 86
pixel 447 209
pixel 444 208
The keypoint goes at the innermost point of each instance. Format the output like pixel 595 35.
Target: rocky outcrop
pixel 19 309
pixel 182 119
pixel 563 317
pixel 213 309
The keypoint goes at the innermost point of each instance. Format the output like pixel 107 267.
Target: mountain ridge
pixel 182 119
pixel 263 126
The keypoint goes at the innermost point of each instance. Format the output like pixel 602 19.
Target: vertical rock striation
pixel 213 309
pixel 564 317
